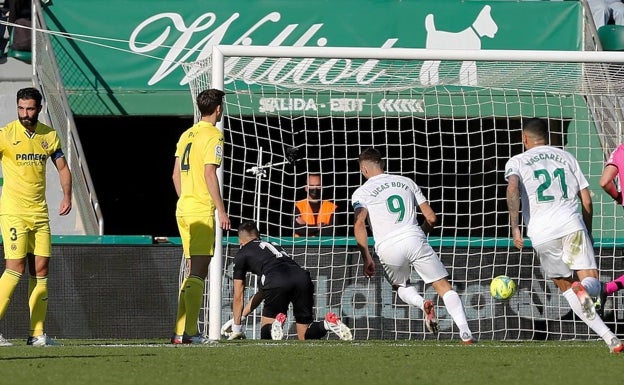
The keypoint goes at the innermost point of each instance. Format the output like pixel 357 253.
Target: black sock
pixel 265 332
pixel 316 330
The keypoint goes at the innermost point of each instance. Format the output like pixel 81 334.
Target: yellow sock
pixel 8 282
pixel 32 282
pixel 38 303
pixel 193 297
pixel 181 315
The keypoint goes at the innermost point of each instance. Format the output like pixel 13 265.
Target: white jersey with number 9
pixel 391 202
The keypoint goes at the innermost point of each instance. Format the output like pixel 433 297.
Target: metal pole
pixel 216 265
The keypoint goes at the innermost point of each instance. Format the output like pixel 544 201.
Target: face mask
pixel 315 193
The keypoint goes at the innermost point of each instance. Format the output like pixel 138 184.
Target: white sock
pixel 596 324
pixel 592 286
pixel 410 296
pixel 455 308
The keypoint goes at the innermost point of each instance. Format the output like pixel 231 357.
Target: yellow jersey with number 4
pixel 199 145
pixel 24 160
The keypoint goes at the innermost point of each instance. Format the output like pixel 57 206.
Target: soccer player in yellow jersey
pixel 25 147
pixel 198 155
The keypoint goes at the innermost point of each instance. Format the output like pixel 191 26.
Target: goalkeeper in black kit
pixel 282 282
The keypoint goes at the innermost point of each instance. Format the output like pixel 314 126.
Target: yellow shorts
pixel 23 235
pixel 197 235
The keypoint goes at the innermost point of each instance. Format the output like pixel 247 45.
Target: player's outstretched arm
pixel 607 182
pixel 66 185
pixel 237 311
pixel 361 237
pixel 253 303
pixel 587 208
pixel 430 217
pixel 237 301
pixel 513 205
pixel 212 182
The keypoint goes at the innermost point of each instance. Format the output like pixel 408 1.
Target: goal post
pixel 449 119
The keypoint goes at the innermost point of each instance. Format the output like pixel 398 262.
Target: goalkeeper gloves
pixel 231 331
pixel 236 336
pixel 226 329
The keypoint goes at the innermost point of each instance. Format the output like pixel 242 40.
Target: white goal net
pixel 449 120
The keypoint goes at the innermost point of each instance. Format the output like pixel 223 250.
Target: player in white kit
pixel 546 182
pixel 389 202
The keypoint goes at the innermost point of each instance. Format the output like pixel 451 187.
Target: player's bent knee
pixel 397 287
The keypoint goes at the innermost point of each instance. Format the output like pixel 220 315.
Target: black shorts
pixel 296 288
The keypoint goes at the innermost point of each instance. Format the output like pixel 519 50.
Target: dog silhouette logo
pixel 469 38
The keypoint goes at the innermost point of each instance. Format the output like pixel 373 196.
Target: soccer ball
pixel 502 287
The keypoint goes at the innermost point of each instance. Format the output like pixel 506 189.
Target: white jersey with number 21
pixel 550 179
pixel 391 202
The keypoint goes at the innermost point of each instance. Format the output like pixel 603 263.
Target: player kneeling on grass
pixel 282 282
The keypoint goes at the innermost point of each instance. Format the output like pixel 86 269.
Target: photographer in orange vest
pixel 313 215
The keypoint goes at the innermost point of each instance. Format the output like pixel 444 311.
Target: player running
pixel 548 181
pixel 389 202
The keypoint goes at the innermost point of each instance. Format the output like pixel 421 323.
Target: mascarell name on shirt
pixel 544 156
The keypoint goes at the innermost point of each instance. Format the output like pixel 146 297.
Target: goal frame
pixel 220 52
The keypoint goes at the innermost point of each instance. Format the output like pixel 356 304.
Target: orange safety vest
pixel 324 215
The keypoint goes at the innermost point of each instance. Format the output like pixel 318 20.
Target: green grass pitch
pixel 320 362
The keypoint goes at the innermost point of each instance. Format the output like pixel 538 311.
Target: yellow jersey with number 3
pixel 24 160
pixel 199 145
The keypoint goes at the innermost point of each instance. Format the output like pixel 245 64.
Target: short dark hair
pixel 208 100
pixel 537 127
pixel 250 228
pixel 372 155
pixel 30 93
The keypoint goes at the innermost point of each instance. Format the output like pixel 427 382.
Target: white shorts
pixel 397 254
pixel 560 257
